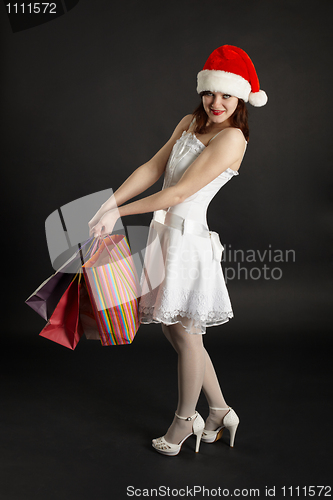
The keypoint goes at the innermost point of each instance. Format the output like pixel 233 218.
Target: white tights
pixel 195 372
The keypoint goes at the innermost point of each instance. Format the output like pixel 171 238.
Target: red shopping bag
pixel 64 326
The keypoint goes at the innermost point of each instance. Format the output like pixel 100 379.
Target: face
pixel 219 107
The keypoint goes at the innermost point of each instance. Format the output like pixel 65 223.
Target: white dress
pixel 182 280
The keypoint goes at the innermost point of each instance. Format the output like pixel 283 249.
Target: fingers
pixel 91 231
pixel 93 221
pixel 99 231
pixel 105 225
pixel 96 231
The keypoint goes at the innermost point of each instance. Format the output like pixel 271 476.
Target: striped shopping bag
pixel 113 288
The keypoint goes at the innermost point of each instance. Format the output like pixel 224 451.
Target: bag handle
pixel 121 273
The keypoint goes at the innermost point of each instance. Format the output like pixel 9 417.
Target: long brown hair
pixel 239 118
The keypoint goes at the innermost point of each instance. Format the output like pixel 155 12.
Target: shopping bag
pixel 45 298
pixel 64 325
pixel 113 288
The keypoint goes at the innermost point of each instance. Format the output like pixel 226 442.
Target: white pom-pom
pixel 258 98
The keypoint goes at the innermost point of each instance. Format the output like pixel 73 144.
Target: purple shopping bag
pixel 45 299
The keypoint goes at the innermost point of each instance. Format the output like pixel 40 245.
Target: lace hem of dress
pixel 190 326
pixel 191 308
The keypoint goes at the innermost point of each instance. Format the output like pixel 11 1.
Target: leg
pixel 191 368
pixel 210 387
pixel 166 331
pixel 214 396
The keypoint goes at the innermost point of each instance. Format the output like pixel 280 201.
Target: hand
pixel 92 223
pixel 105 224
pixel 106 207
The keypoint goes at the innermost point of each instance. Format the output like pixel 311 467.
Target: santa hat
pixel 230 70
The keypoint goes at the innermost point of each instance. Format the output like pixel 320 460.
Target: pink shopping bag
pixel 113 288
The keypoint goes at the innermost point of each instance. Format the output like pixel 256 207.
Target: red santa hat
pixel 230 70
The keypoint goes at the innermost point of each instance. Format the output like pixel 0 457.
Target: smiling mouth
pixel 217 111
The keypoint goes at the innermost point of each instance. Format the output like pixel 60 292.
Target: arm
pixel 146 175
pixel 226 151
pixel 143 177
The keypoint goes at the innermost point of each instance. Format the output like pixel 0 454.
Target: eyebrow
pixel 205 92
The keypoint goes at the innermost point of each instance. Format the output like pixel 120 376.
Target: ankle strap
pixel 229 408
pixel 187 418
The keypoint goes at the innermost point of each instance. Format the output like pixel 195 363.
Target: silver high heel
pixel 162 446
pixel 230 421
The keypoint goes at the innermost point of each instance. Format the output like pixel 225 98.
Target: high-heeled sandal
pixel 162 446
pixel 230 421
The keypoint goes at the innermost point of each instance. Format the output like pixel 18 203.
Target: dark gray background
pixel 95 93
pixel 90 96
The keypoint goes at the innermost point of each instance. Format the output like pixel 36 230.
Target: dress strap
pixel 190 125
pixel 222 131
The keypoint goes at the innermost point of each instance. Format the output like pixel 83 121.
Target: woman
pixel 185 290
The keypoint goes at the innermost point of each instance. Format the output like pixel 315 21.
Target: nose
pixel 217 102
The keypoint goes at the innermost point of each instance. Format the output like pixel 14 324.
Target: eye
pixel 226 96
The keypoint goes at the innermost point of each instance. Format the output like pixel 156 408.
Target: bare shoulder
pixel 183 125
pixel 185 122
pixel 232 134
pixel 161 157
pixel 230 137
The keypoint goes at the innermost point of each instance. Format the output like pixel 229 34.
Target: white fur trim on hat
pixel 258 98
pixel 222 81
